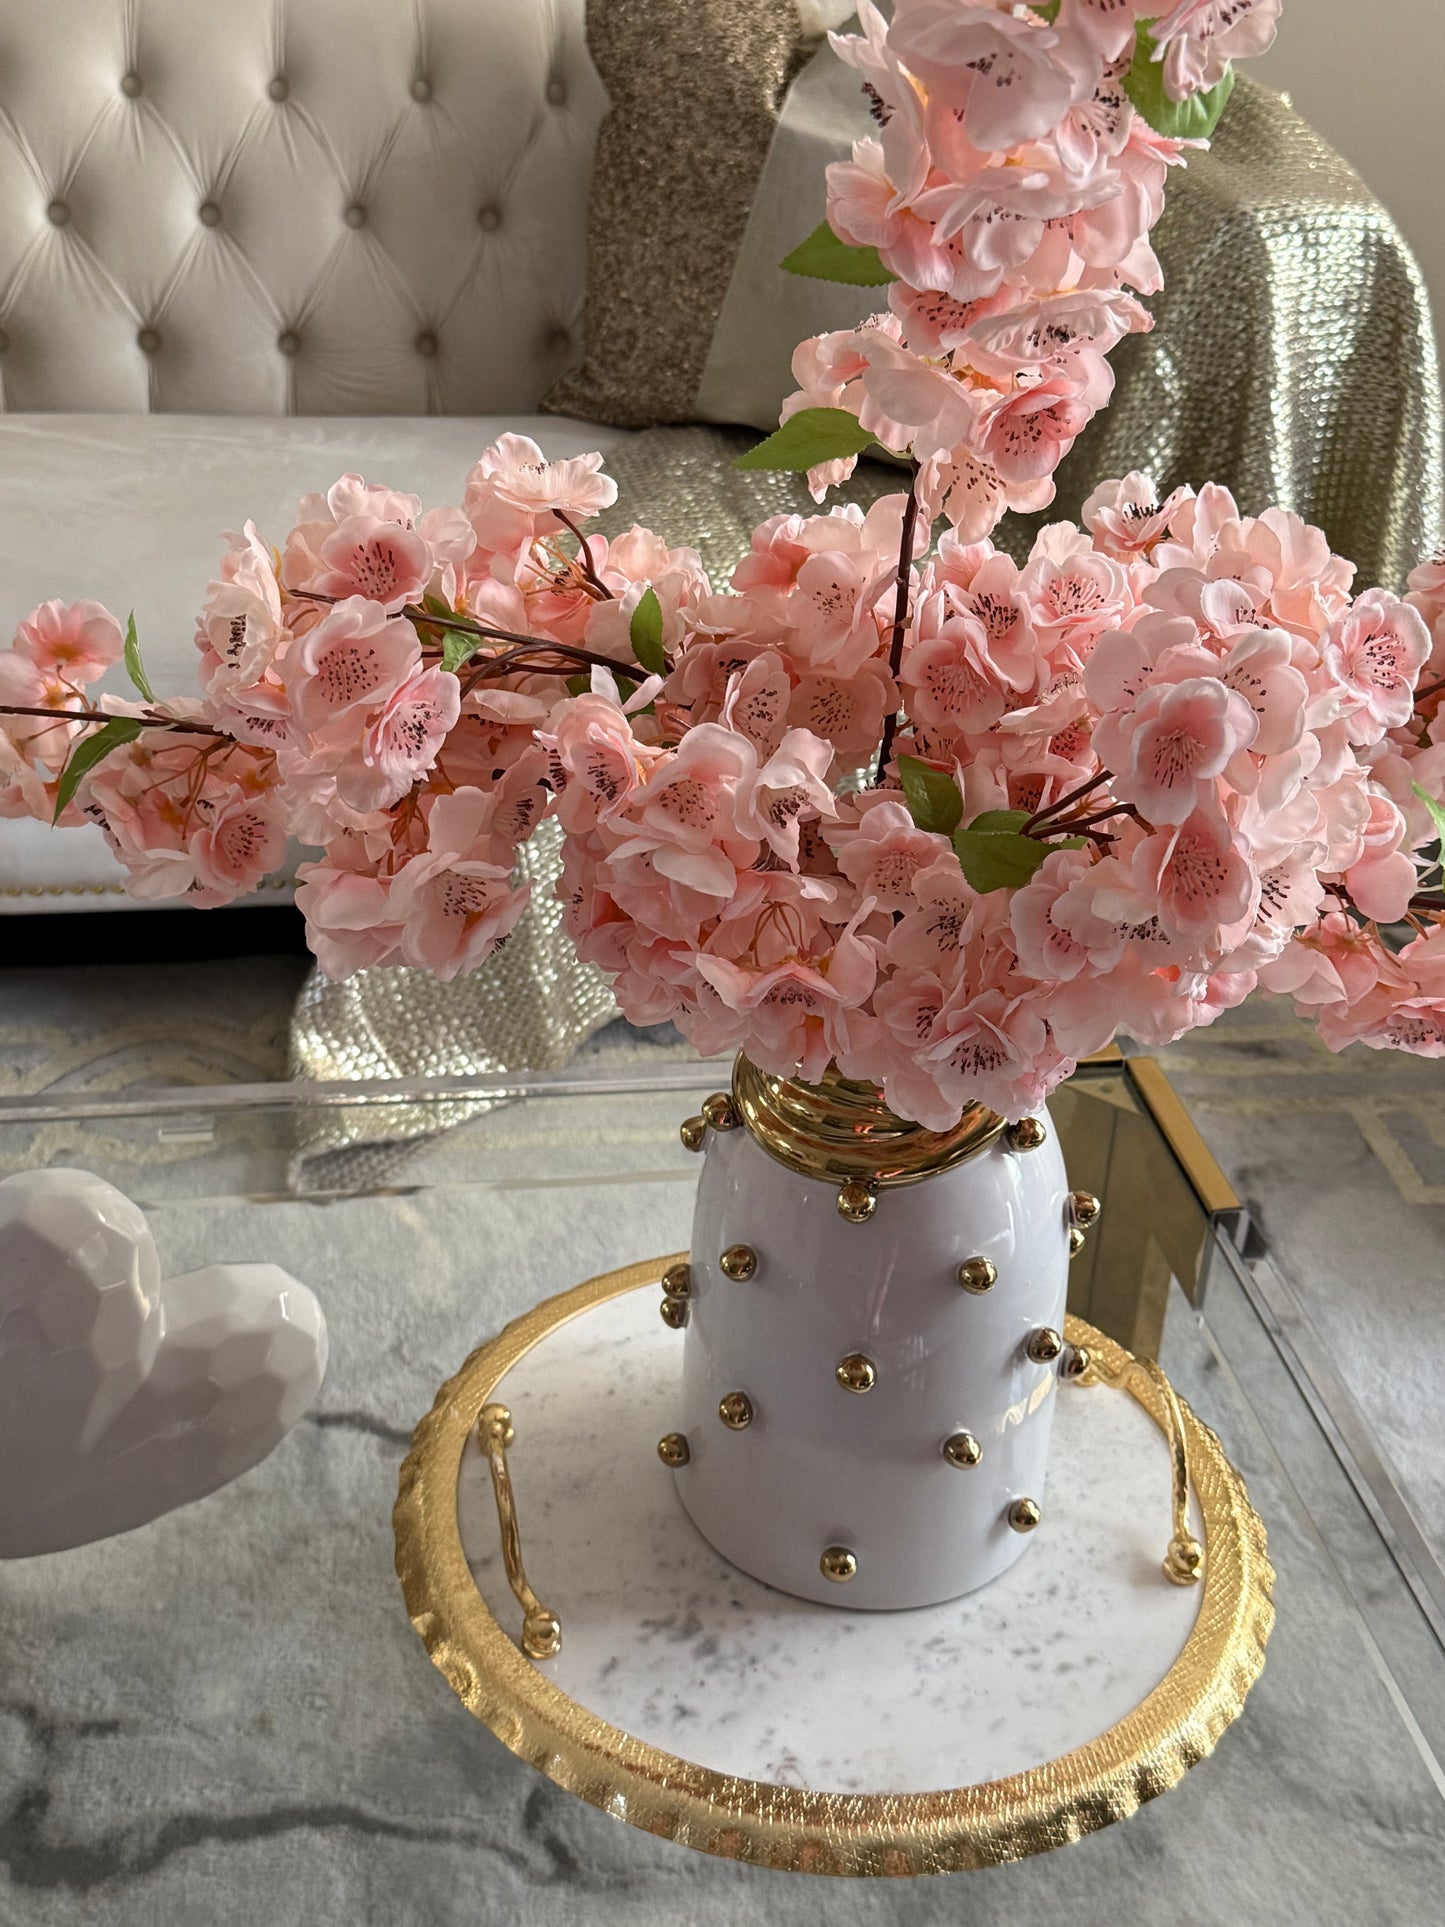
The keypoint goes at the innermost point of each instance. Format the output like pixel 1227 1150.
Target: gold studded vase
pixel 871 1347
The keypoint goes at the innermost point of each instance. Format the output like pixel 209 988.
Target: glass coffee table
pixel 226 1716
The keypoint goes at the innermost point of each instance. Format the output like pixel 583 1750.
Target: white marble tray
pixel 809 1734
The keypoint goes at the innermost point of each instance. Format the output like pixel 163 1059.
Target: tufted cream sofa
pixel 246 245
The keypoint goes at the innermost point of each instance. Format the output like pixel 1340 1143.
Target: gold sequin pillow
pixel 696 87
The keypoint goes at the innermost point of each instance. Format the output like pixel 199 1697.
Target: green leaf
pixel 823 257
pixel 1049 9
pixel 1000 820
pixel 645 629
pixel 90 751
pixel 1192 119
pixel 811 436
pixel 1437 814
pixel 998 859
pixel 458 648
pixel 995 854
pixel 932 796
pixel 578 685
pixel 133 667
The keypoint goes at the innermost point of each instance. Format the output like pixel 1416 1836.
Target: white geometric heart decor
pixel 122 1397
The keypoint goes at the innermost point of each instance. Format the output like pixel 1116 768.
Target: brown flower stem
pixel 589 568
pixel 1065 802
pixel 1431 689
pixel 512 662
pixel 413 614
pixel 900 616
pixel 1068 825
pixel 104 716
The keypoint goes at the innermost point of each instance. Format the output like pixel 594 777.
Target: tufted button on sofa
pixel 217 214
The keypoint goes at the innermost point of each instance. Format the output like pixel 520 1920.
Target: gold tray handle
pixel 1184 1561
pixel 541 1629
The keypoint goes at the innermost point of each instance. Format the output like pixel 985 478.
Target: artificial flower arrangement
pixel 905 807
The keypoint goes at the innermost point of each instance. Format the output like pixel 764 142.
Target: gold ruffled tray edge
pixel 787 1828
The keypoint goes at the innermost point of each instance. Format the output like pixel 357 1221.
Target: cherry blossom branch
pixel 900 615
pixel 412 613
pixel 1066 802
pixel 511 663
pixel 589 568
pixel 151 720
pixel 1072 824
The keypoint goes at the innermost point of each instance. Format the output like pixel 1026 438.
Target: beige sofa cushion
pixel 316 207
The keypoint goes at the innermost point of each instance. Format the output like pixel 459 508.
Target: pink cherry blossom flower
pixel 1375 654
pixel 756 704
pixel 72 642
pixel 242 628
pixel 1013 76
pixel 403 742
pixel 684 817
pixel 1167 751
pixel 950 681
pixel 599 761
pixel 453 910
pixel 1046 949
pixel 1383 881
pixel 1126 518
pixel 989 1048
pixel 1197 882
pixel 909 403
pixel 880 849
pixel 1109 24
pixel 356 658
pixel 349 925
pixel 931 933
pixel 515 494
pixel 847 710
pixel 240 840
pixel 1197 39
pixel 25 684
pixel 382 561
pixel 790 785
pixel 1025 434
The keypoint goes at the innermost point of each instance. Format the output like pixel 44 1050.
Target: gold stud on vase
pixel 978 1274
pixel 1027 1135
pixel 677 1281
pixel 1076 1241
pixel 857 1201
pixel 855 1373
pixel 738 1262
pixel 839 1564
pixel 1084 1209
pixel 1044 1345
pixel 1076 1363
pixel 1024 1515
pixel 692 1131
pixel 720 1113
pixel 672 1449
pixel 962 1450
pixel 673 1312
pixel 736 1411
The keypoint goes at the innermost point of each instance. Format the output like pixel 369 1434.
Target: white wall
pixel 1368 74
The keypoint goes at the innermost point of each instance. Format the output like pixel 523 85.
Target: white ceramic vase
pixel 873 1321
